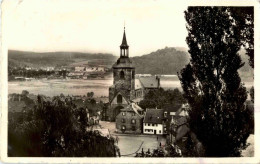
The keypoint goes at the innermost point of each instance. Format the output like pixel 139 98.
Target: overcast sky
pixel 93 26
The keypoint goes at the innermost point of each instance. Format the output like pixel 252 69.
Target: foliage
pixel 211 82
pixel 55 129
pixel 53 59
pixel 244 17
pixel 90 94
pixel 252 94
pixel 21 71
pixel 160 98
pixel 162 61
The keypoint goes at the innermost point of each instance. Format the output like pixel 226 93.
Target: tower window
pixel 133 74
pixel 122 75
pixel 119 99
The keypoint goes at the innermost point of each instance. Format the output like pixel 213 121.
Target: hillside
pixel 38 59
pixel 162 61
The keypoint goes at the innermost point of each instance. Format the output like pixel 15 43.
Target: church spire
pixel 124 47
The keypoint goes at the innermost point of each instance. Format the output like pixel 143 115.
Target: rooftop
pixel 133 107
pixel 150 82
pixel 154 116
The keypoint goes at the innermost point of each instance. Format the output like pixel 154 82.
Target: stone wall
pixel 128 122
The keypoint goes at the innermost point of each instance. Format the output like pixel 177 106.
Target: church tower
pixel 122 91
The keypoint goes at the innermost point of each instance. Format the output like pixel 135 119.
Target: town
pixel 129 82
pixel 143 119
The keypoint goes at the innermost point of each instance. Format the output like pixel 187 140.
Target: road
pixel 130 143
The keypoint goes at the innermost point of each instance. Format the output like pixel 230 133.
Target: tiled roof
pixel 172 107
pixel 133 108
pixel 138 84
pixel 149 82
pixel 154 116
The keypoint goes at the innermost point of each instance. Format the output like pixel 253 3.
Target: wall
pixel 157 128
pixel 126 85
pixel 114 101
pixel 128 124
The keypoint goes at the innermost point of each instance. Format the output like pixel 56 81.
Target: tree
pixel 244 17
pixel 56 129
pixel 25 93
pixel 252 94
pixel 211 82
pixel 160 98
pixel 90 94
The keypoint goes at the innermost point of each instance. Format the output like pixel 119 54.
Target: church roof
pixel 150 82
pixel 124 42
pixel 123 63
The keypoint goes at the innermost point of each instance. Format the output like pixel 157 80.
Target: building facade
pixel 130 119
pixel 154 122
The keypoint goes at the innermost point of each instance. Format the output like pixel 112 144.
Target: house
pixel 75 75
pixel 79 69
pixel 176 122
pixel 171 111
pixel 143 85
pixel 154 121
pixel 130 119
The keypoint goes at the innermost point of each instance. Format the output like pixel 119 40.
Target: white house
pixel 154 122
pixel 79 69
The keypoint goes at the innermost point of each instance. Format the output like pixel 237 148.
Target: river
pixel 80 87
pixel 74 86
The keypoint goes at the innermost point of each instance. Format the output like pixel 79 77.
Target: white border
pixel 256 159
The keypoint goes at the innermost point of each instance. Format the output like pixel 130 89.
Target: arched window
pixel 119 99
pixel 122 75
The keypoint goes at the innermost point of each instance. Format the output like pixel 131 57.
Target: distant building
pixel 130 119
pixel 79 69
pixel 154 121
pixel 76 75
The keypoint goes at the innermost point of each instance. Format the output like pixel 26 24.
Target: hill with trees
pixel 168 60
pixel 163 61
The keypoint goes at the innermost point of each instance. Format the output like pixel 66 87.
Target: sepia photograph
pixel 128 80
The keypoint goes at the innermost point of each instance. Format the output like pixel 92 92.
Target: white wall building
pixel 154 122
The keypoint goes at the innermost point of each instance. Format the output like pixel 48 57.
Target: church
pixel 123 89
pixel 126 89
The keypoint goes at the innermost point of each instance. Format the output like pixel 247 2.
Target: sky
pixel 93 26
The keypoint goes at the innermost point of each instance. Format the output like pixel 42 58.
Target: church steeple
pixel 124 47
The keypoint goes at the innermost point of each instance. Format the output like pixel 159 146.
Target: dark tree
pixel 159 98
pixel 56 129
pixel 244 17
pixel 211 82
pixel 252 94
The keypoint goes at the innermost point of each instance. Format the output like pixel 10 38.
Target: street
pixel 130 143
